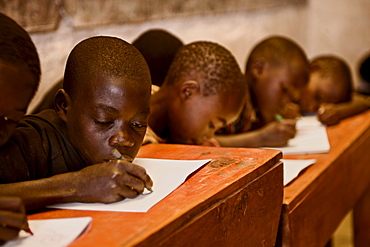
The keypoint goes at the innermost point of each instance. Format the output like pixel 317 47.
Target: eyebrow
pixel 107 108
pixel 115 111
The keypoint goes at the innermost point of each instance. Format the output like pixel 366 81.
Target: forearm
pixel 43 192
pixel 351 108
pixel 249 139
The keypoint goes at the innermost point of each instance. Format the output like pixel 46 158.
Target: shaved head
pixel 103 56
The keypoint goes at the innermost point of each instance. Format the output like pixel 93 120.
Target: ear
pixel 258 67
pixel 314 67
pixel 189 89
pixel 62 104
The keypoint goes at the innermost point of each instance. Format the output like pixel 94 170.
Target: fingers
pixel 139 178
pixel 10 224
pixel 7 233
pixel 288 127
pixel 14 204
pixel 328 115
pixel 12 219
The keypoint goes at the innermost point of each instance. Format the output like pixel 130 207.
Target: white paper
pixel 293 167
pixel 311 137
pixel 167 175
pixel 51 232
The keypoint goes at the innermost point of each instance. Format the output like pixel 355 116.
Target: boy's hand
pixel 12 218
pixel 278 133
pixel 328 115
pixel 290 111
pixel 212 142
pixel 111 182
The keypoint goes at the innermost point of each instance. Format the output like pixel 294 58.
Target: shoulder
pixel 152 137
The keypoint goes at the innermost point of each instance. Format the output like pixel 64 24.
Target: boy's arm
pixel 331 114
pixel 274 134
pixel 107 182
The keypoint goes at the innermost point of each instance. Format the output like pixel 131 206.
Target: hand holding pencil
pixel 110 181
pixel 12 218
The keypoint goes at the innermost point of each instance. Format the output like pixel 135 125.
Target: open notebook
pixel 311 137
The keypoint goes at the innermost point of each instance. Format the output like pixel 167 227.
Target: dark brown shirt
pixel 39 148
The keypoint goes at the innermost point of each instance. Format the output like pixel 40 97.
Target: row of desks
pixel 238 199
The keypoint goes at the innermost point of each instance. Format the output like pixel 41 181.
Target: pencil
pixel 118 155
pixel 278 117
pixel 28 230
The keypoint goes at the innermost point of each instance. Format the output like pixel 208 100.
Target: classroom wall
pixel 320 26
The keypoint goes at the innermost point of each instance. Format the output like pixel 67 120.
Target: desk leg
pixel 361 220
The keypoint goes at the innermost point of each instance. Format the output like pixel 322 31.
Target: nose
pixel 121 139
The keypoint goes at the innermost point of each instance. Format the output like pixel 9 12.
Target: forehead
pixel 229 105
pixel 117 91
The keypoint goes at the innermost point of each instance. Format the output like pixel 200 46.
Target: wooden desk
pixel 316 202
pixel 235 200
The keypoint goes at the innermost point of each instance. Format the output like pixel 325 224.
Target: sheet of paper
pixel 293 167
pixel 51 232
pixel 167 175
pixel 311 137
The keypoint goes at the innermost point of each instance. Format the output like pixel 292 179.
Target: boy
pixel 330 91
pixel 158 48
pixel 204 90
pixel 276 73
pixel 19 80
pixel 104 105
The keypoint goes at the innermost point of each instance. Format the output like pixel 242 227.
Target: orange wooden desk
pixel 316 202
pixel 233 201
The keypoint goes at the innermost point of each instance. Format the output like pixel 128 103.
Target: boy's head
pixel 19 75
pixel 277 70
pixel 208 91
pixel 158 48
pixel 330 82
pixel 105 100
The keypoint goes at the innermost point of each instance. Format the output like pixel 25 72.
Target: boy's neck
pixel 159 104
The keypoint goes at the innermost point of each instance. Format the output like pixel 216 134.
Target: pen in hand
pixel 118 155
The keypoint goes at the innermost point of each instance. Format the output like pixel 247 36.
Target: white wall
pixel 320 26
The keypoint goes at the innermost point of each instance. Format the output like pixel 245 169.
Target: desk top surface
pixel 229 169
pixel 341 137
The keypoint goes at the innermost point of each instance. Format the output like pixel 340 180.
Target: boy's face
pixel 109 113
pixel 15 94
pixel 279 86
pixel 197 119
pixel 320 90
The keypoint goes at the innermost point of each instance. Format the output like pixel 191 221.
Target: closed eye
pixel 103 123
pixel 139 125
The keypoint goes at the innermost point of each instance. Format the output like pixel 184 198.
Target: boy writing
pixel 330 91
pixel 204 90
pixel 276 73
pixel 19 79
pixel 104 106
